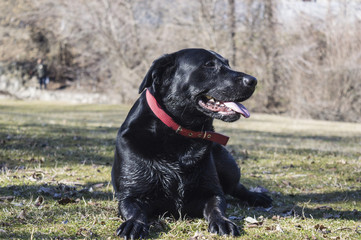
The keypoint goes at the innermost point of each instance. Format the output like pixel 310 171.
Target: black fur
pixel 158 171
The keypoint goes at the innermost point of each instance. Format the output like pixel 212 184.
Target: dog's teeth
pixel 212 100
pixel 217 103
pixel 222 105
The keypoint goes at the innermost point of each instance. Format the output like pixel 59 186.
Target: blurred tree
pixel 307 67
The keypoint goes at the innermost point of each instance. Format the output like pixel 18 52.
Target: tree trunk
pixel 232 30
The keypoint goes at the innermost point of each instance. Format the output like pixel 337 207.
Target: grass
pixel 55 162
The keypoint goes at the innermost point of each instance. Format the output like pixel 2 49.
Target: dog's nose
pixel 249 81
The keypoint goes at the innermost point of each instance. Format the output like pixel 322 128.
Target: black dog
pixel 162 167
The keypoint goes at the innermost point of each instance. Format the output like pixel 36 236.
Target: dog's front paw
pixel 223 226
pixel 256 199
pixel 133 229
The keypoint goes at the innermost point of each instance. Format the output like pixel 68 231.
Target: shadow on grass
pixel 50 144
pixel 160 226
pixel 294 208
pixel 323 210
pixel 297 143
pixel 57 191
pixel 68 207
pixel 287 210
pixel 266 136
pixel 32 142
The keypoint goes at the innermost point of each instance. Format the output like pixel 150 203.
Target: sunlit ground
pixel 55 161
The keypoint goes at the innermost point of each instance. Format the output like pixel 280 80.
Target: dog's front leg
pixel 214 212
pixel 136 224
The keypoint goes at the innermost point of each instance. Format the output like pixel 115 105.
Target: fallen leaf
pixel 278 228
pixel 299 226
pixel 98 185
pixel 274 228
pixel 254 225
pixel 39 201
pixel 322 228
pixel 37 176
pixel 319 227
pixel 65 201
pixel 325 208
pixel 93 203
pixel 6 198
pixel 22 215
pixel 342 161
pixel 251 220
pixel 197 235
pixel 259 189
pixel 288 213
pixel 84 232
pixel 286 183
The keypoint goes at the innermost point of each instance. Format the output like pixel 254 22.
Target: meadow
pixel 56 158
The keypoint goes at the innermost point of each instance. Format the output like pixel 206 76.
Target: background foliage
pixel 306 55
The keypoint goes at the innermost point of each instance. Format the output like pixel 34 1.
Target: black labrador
pixel 183 169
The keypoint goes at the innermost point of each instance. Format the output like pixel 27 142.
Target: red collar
pixel 167 120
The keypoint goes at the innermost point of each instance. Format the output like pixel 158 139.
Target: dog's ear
pixel 160 67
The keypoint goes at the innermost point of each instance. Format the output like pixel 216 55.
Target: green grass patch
pixel 55 163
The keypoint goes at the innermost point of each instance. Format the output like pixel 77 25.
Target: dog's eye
pixel 210 64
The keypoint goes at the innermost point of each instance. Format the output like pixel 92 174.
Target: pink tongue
pixel 237 107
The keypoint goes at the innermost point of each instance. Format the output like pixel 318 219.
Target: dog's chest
pixel 173 180
pixel 176 175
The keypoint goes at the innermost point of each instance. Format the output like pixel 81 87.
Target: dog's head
pixel 200 84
